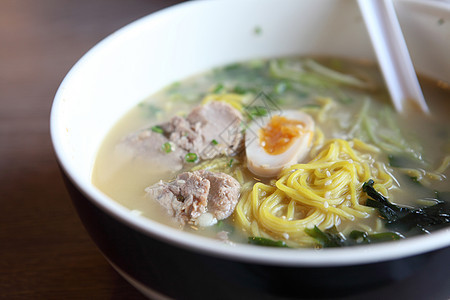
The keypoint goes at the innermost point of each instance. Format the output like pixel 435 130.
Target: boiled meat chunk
pixel 195 196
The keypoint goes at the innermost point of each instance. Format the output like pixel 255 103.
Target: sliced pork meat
pixel 217 121
pixel 208 131
pixel 185 198
pixel 223 193
pixel 148 145
pixel 194 197
pixel 184 134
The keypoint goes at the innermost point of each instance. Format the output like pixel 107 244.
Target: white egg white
pixel 264 164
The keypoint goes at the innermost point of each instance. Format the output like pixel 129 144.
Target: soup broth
pixel 350 107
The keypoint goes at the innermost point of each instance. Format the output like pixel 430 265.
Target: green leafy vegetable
pixel 336 76
pixel 380 128
pixel 260 241
pixel 401 161
pixel 214 142
pixel 310 72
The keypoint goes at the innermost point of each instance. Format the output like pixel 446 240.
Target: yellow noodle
pixel 320 193
pixel 235 100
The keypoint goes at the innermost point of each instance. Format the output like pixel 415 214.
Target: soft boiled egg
pixel 277 141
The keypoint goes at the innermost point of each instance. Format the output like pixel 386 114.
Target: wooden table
pixel 45 253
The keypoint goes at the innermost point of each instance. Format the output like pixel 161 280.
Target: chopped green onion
pixel 214 142
pixel 365 238
pixel 258 111
pixel 219 88
pixel 167 147
pixel 281 87
pixel 191 157
pixel 402 161
pixel 312 106
pixel 260 241
pixel 232 67
pixel 346 99
pixel 224 226
pixel 239 90
pixel 157 129
pixel 230 163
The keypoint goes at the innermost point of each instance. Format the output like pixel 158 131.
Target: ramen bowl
pixel 192 37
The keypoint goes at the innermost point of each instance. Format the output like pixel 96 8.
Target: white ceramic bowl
pixel 192 37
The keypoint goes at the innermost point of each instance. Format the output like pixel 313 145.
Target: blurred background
pixel 45 253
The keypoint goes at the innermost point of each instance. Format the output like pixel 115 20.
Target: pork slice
pixel 217 121
pixel 194 195
pixel 184 134
pixel 147 145
pixel 185 198
pixel 223 194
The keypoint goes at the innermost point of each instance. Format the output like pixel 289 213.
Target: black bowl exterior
pixel 181 273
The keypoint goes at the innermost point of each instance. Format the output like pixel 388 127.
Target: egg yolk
pixel 277 136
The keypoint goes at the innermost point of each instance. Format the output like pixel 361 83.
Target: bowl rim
pixel 346 256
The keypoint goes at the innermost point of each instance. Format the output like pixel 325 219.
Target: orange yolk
pixel 279 134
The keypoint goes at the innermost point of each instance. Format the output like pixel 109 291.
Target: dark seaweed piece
pixel 405 219
pixel 260 241
pixel 333 238
pixel 328 238
pixel 424 218
pixel 387 210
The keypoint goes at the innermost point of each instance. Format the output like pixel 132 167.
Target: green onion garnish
pixel 219 88
pixel 191 157
pixel 258 111
pixel 230 163
pixel 281 87
pixel 157 129
pixel 260 241
pixel 214 142
pixel 240 90
pixel 167 147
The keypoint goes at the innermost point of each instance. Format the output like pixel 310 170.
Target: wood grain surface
pixel 45 253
